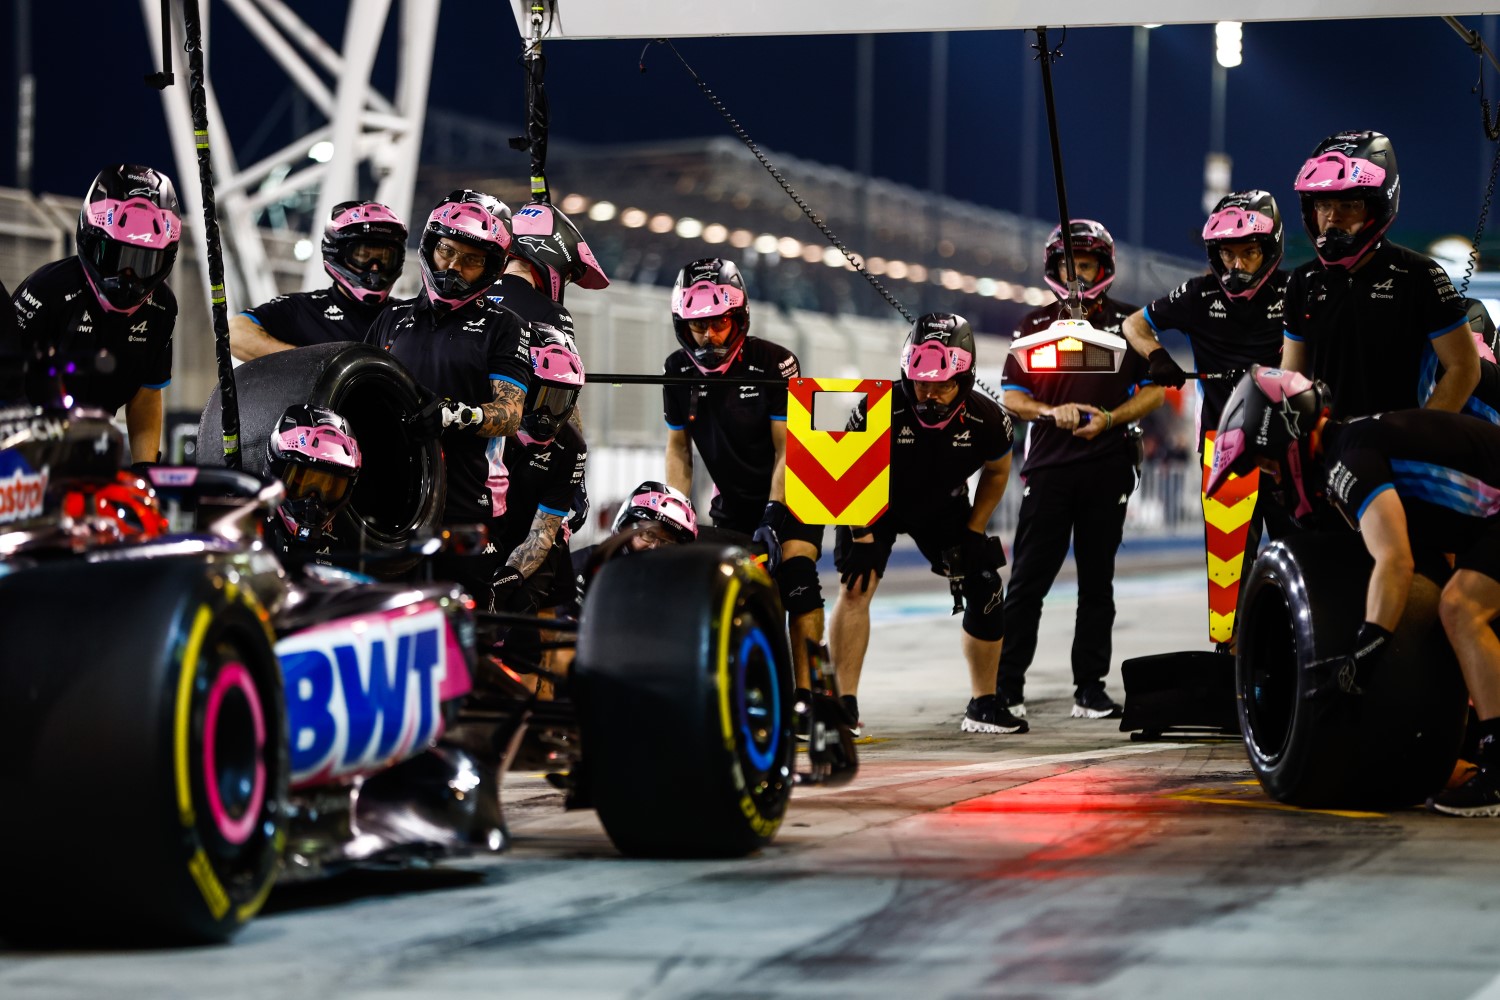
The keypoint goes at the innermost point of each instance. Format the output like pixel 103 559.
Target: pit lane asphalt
pixel 1068 863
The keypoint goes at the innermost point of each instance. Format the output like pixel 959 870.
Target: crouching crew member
pixel 314 454
pixel 942 432
pixel 740 431
pixel 1423 480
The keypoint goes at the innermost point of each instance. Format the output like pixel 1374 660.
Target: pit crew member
pixel 364 251
pixel 112 297
pixel 1410 480
pixel 740 430
pixel 942 432
pixel 1079 471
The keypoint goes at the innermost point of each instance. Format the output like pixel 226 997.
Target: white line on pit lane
pixel 938 603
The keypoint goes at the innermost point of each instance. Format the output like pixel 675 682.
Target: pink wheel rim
pixel 236 830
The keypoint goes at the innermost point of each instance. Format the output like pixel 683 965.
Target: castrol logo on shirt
pixel 21 490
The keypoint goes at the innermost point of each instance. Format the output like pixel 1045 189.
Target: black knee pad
pixel 801 590
pixel 984 607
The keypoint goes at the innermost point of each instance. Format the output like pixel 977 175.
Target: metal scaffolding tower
pixel 362 125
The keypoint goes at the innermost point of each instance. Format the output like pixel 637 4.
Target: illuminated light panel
pixel 1044 357
pixel 1070 344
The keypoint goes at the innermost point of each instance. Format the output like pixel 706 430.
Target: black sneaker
pixel 1479 796
pixel 1095 704
pixel 851 706
pixel 1016 708
pixel 987 715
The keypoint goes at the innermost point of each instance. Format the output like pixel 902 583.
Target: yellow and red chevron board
pixel 838 477
pixel 1226 524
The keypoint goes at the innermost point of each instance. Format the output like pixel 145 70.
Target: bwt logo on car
pixel 364 692
pixel 22 491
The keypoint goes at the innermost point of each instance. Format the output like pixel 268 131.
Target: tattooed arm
pixel 502 415
pixel 530 554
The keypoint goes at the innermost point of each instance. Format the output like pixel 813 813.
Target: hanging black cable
pixel 163 80
pixel 538 114
pixel 1073 304
pixel 193 30
pixel 854 261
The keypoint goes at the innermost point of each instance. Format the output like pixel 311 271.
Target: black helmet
pixel 1272 414
pixel 1350 165
pixel 547 240
pixel 1090 237
pixel 1240 217
pixel 364 249
pixel 654 501
pixel 314 453
pixel 939 347
pixel 707 289
pixel 471 217
pixel 556 379
pixel 128 232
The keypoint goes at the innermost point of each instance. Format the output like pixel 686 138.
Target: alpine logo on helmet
pixel 128 235
pixel 364 249
pixel 939 348
pixel 1241 217
pixel 1359 166
pixel 707 289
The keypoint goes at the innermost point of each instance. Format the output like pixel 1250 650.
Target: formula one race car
pixel 184 718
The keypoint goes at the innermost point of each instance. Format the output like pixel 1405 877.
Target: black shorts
pixel 1483 554
pixel 934 534
pixel 791 530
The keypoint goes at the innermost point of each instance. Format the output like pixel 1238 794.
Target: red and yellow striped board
pixel 1226 522
pixel 838 477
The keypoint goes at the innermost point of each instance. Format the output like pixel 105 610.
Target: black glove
pixel 1165 371
pixel 505 585
pixel 1350 673
pixel 580 509
pixel 768 533
pixel 860 560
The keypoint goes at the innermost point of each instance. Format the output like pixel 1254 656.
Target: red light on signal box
pixel 1044 356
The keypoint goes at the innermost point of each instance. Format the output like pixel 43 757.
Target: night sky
pixel 1300 81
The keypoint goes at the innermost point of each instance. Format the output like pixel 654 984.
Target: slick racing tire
pixel 683 686
pixel 1389 747
pixel 143 753
pixel 401 487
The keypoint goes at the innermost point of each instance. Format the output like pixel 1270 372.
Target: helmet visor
pixel 305 481
pixel 113 259
pixel 557 401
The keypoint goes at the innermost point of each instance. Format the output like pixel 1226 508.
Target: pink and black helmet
pixel 706 289
pixel 654 501
pixel 364 249
pixel 1272 414
pixel 1240 217
pixel 476 223
pixel 939 347
pixel 314 453
pixel 128 233
pixel 1087 236
pixel 556 251
pixel 557 378
pixel 1350 165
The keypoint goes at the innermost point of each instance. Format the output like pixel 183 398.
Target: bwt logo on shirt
pixel 363 691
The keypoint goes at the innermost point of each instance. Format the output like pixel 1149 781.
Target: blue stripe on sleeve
pixel 507 378
pixel 1378 490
